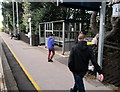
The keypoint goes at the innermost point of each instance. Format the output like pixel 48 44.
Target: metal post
pixel 29 20
pixel 80 27
pixel 52 28
pixel 30 35
pixel 13 18
pixel 45 28
pixel 75 30
pixel 17 17
pixel 39 34
pixel 69 31
pixel 101 33
pixel 7 22
pixel 63 47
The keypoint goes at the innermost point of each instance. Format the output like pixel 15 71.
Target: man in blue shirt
pixel 50 46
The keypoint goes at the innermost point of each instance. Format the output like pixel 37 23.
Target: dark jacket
pixel 79 58
pixel 50 43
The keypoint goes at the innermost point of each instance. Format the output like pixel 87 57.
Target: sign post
pixel 101 33
pixel 30 32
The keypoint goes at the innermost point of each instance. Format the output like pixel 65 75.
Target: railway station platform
pixel 44 75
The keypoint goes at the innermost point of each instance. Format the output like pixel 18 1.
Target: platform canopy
pixel 93 6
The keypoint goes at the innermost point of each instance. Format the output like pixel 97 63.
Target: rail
pixel 3 87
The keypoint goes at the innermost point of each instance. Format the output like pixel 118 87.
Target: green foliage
pixel 41 12
pixel 6 12
pixel 1 29
pixel 26 15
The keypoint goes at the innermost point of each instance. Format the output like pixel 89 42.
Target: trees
pixel 111 23
pixel 44 11
pixel 26 14
pixel 7 12
pixel 48 11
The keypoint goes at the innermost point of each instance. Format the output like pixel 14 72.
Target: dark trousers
pixel 79 85
pixel 50 56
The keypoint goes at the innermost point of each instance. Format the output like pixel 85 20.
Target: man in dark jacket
pixel 50 46
pixel 78 61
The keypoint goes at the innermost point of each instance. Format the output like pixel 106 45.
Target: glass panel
pixel 42 33
pixel 72 35
pixel 60 34
pixel 57 26
pixel 47 34
pixel 66 35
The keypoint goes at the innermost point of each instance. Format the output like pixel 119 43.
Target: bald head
pixel 81 37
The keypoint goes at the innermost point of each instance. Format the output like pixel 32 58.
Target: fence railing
pixel 111 65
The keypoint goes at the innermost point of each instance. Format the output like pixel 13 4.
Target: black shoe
pixel 71 90
pixel 50 60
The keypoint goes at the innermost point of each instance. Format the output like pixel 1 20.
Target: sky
pixel 1 17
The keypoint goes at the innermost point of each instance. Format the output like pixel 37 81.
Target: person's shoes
pixel 71 90
pixel 50 60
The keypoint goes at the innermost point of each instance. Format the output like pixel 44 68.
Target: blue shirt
pixel 50 43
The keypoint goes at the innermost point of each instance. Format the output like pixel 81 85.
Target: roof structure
pixel 67 20
pixel 93 6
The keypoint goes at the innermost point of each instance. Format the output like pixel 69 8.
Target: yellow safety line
pixel 26 72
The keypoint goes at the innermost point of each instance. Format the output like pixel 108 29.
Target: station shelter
pixel 65 33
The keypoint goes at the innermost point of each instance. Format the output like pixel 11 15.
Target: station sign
pixel 116 10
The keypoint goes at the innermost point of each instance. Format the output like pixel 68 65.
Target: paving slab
pixel 48 76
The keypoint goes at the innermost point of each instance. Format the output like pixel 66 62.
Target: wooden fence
pixel 111 65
